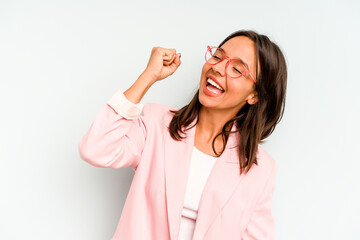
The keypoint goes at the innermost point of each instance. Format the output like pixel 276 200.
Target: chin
pixel 204 100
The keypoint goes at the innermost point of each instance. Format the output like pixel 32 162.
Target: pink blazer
pixel 231 206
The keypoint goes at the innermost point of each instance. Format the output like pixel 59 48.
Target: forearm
pixel 139 88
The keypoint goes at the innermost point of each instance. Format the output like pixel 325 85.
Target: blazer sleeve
pixel 117 136
pixel 261 225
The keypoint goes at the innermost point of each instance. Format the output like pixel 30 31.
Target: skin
pixel 216 111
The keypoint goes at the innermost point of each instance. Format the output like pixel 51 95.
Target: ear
pixel 253 98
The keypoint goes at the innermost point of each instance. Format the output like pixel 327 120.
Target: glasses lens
pixel 213 55
pixel 236 68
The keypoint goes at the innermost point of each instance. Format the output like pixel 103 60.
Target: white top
pixel 200 167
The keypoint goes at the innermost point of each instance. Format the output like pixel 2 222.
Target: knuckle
pixel 156 48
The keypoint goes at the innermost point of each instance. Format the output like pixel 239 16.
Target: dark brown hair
pixel 255 122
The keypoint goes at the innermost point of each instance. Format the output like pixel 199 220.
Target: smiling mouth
pixel 214 87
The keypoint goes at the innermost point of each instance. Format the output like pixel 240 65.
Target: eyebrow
pixel 238 59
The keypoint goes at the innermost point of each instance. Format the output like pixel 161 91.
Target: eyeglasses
pixel 234 68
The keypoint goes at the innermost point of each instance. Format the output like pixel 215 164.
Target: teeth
pixel 214 84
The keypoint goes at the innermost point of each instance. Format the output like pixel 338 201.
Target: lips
pixel 214 79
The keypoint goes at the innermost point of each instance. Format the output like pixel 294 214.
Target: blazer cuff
pixel 124 107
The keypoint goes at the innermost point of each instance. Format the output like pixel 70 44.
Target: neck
pixel 211 123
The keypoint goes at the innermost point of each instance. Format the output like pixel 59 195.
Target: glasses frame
pixel 228 62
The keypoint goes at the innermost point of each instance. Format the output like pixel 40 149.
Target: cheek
pixel 239 90
pixel 205 69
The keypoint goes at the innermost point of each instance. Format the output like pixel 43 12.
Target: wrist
pixel 148 77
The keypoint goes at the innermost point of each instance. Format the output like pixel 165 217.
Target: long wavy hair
pixel 255 122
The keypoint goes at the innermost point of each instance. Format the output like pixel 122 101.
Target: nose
pixel 221 67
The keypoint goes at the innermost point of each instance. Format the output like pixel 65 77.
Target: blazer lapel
pixel 222 181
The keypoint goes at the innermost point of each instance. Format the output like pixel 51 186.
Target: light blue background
pixel 61 61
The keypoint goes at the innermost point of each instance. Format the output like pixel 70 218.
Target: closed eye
pixel 237 70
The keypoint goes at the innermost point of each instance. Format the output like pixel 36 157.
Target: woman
pixel 199 171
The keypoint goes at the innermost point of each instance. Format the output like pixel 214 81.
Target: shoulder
pixel 266 166
pixel 158 109
pixel 265 160
pixel 158 112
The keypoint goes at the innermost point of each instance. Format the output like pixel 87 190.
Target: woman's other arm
pixel 117 136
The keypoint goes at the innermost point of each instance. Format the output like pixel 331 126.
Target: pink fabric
pixel 231 206
pixel 124 107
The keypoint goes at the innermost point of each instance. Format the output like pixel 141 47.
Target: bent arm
pixel 117 136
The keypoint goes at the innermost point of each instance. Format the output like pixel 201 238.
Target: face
pixel 237 91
